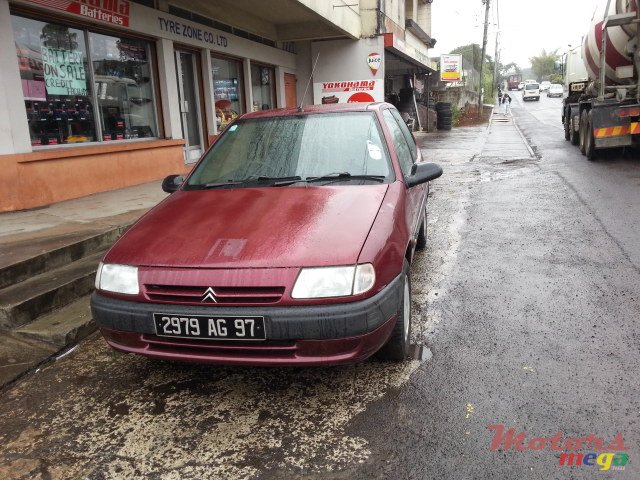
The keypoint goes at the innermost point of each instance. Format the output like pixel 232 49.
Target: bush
pixel 456 115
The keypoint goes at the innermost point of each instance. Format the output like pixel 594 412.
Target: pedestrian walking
pixel 506 100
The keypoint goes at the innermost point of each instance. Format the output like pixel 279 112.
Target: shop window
pixel 124 93
pixel 83 87
pixel 263 87
pixel 227 89
pixel 55 82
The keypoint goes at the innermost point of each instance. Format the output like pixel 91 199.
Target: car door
pixel 408 154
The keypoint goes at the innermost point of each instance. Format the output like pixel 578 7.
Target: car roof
pixel 308 109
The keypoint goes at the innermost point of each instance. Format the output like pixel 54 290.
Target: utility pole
pixel 484 50
pixel 496 58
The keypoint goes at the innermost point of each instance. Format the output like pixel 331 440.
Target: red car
pixel 289 243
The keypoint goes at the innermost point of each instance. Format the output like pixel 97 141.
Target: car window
pixel 532 86
pixel 407 134
pixel 400 142
pixel 306 145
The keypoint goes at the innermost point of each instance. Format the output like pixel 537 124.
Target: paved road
pixel 526 304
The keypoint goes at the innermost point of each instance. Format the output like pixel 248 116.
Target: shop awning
pixel 406 57
pixel 280 20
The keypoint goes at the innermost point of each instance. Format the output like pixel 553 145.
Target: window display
pixel 227 89
pixel 55 82
pixel 83 87
pixel 263 87
pixel 122 77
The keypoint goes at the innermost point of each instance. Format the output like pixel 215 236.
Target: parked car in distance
pixel 521 85
pixel 531 92
pixel 544 85
pixel 555 90
pixel 288 243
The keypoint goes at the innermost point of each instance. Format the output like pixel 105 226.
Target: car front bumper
pixel 295 335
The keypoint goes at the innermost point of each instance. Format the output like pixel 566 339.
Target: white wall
pixel 14 129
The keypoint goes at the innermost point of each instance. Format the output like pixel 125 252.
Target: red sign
pixel 115 12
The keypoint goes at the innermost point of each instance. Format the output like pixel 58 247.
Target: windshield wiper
pixel 276 182
pixel 345 176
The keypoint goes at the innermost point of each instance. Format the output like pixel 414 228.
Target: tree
pixel 543 66
pixel 472 53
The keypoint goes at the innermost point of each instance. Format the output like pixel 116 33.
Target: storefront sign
pixel 451 68
pixel 374 60
pixel 109 11
pixel 191 32
pixel 349 91
pixel 64 72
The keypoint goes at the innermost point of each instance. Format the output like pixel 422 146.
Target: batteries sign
pixel 64 72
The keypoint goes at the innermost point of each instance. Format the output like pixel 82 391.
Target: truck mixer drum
pixel 618 40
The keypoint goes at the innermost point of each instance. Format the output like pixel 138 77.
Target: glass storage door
pixel 189 95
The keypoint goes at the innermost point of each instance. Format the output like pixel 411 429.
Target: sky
pixel 526 27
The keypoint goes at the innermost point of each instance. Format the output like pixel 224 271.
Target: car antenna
pixel 309 82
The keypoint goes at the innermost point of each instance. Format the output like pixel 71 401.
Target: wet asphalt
pixel 526 313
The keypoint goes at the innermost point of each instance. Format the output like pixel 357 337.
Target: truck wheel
pixel 397 347
pixel 589 143
pixel 583 130
pixel 567 126
pixel 573 135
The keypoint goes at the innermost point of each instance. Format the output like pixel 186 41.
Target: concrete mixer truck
pixel 602 106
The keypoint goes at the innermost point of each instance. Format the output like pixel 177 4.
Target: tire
pixel 589 143
pixel 397 347
pixel 421 241
pixel 583 130
pixel 567 129
pixel 574 136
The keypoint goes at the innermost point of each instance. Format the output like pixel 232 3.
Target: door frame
pixel 197 83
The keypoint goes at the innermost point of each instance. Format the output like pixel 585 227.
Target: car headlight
pixel 323 282
pixel 117 278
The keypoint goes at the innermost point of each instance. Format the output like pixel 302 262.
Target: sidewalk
pixel 28 234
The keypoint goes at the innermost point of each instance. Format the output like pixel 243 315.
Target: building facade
pixel 104 94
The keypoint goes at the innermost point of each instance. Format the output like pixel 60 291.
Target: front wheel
pixel 397 347
pixel 567 126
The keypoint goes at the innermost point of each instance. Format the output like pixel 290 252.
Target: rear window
pixel 532 86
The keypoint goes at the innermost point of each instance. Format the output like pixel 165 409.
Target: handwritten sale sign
pixel 64 72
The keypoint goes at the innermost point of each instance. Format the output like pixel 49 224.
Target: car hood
pixel 253 228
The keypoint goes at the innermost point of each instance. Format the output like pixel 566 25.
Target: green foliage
pixel 556 78
pixel 472 53
pixel 543 65
pixel 456 115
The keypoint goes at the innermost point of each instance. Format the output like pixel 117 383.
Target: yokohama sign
pixel 115 12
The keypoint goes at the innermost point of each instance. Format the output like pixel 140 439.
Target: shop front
pixel 114 94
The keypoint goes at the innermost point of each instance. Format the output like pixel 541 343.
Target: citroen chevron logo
pixel 209 295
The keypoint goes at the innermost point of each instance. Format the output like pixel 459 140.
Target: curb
pixel 526 143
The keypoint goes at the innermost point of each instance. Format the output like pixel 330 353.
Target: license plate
pixel 209 327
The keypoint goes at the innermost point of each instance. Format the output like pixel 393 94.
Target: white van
pixel 531 91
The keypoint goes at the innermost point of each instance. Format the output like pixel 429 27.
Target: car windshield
pixel 341 146
pixel 531 86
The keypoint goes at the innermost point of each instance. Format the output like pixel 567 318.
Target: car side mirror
pixel 172 183
pixel 422 173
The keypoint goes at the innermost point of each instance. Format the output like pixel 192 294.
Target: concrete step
pixel 25 301
pixel 51 252
pixel 63 327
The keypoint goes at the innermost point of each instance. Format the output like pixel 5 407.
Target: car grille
pixel 221 295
